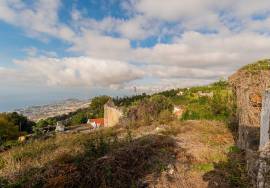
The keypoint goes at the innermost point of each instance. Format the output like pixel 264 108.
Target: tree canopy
pixel 8 130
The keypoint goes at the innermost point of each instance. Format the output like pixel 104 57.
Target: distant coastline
pixel 37 112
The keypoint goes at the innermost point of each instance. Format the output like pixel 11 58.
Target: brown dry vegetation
pixel 180 154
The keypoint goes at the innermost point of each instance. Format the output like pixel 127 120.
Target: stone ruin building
pixel 112 114
pixel 250 85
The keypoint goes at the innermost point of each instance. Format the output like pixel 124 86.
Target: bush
pixel 21 121
pixel 165 116
pixel 149 110
pixel 8 130
pixel 219 107
pixel 79 118
pixel 97 105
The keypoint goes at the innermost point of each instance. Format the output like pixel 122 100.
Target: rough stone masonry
pixel 263 179
pixel 265 120
pixel 249 86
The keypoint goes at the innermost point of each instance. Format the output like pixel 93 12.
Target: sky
pixel 52 50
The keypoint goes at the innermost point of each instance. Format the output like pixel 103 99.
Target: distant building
pixel 96 123
pixel 180 93
pixel 60 127
pixel 178 111
pixel 205 94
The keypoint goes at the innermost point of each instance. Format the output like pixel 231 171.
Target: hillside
pixel 187 154
pixel 150 147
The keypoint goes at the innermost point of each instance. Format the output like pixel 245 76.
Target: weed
pixel 204 167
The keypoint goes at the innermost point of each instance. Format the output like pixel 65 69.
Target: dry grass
pixel 179 154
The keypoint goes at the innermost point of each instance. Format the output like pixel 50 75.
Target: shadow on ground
pixel 107 164
pixel 233 172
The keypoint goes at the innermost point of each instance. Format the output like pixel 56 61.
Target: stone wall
pixel 265 120
pixel 112 114
pixel 249 88
pixel 263 179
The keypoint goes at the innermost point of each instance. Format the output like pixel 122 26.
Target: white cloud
pixel 41 17
pixel 178 72
pixel 199 56
pixel 100 46
pixel 80 71
pixel 138 27
pixel 173 10
pixel 34 52
pixel 226 52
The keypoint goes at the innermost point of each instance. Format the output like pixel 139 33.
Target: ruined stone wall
pixel 263 178
pixel 112 114
pixel 265 120
pixel 249 87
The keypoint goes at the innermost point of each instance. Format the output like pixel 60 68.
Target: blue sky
pixel 55 49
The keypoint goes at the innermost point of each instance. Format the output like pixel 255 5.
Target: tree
pixel 8 130
pixel 97 105
pixel 161 103
pixel 149 109
pixel 79 118
pixel 21 121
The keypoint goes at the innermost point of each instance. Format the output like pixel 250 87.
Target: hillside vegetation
pixel 192 153
pixel 257 66
pixel 150 147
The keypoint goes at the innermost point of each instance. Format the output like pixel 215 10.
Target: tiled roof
pixel 99 121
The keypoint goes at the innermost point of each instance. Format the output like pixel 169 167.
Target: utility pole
pixel 135 90
pixel 20 127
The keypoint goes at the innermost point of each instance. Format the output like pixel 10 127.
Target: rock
pixel 170 169
pixel 22 139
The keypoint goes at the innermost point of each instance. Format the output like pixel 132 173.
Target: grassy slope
pixel 219 107
pixel 257 66
pixel 193 152
pixel 180 154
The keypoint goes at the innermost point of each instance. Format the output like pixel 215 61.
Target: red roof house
pixel 99 122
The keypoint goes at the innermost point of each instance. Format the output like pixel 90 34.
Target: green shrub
pixel 149 109
pixel 97 105
pixel 204 167
pixel 8 130
pixel 219 107
pixel 165 116
pixel 258 66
